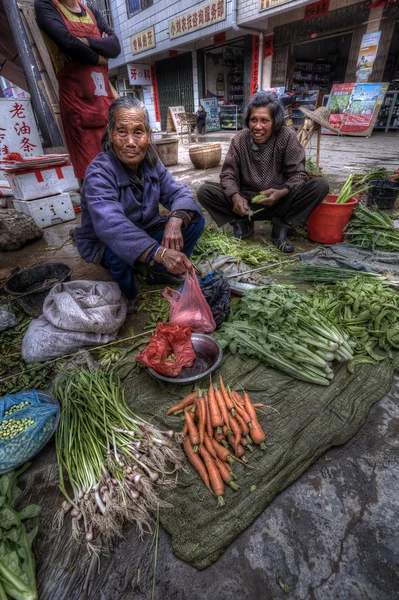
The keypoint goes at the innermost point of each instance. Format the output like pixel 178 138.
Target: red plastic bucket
pixel 327 222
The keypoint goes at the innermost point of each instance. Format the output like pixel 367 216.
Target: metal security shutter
pixel 175 84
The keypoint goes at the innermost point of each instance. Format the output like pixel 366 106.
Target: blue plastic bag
pixel 17 450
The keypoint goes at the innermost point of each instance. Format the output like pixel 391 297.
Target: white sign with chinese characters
pixel 18 130
pixel 145 40
pixel 139 74
pixel 204 15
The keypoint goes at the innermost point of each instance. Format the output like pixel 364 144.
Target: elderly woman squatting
pixel 264 158
pixel 121 224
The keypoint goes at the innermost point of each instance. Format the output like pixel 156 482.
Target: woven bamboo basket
pixel 205 156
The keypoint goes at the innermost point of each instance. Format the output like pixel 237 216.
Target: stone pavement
pixel 330 535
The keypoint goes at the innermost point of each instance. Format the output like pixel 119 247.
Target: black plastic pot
pixel 30 286
pixel 383 193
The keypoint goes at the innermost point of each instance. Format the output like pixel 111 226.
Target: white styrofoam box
pixel 5 189
pixel 42 183
pixel 48 211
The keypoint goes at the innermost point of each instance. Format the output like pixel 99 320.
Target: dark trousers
pixel 124 274
pixel 200 125
pixel 294 208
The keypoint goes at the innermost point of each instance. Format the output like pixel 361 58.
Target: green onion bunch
pixel 114 460
pixel 276 325
pixel 372 230
pixel 367 310
pixel 304 273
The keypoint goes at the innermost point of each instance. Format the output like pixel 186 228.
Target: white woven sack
pixel 43 341
pixel 86 306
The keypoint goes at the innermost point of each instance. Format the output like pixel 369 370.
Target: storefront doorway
pixel 224 80
pixel 320 63
pixel 391 71
pixel 175 84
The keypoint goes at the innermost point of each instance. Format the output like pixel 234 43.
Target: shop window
pixel 135 6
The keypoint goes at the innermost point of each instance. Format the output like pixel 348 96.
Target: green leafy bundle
pixel 367 310
pixel 372 230
pixel 217 241
pixel 276 325
pixel 17 562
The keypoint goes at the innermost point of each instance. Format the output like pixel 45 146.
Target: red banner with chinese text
pixel 268 45
pixel 155 91
pixel 316 10
pixel 219 38
pixel 255 66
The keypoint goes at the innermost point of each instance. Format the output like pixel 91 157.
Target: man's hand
pixel 104 35
pixel 84 41
pixel 240 205
pixel 273 196
pixel 102 60
pixel 172 236
pixel 176 262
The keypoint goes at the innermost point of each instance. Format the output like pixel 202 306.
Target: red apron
pixel 85 96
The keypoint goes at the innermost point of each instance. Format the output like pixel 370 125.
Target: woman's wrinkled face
pixel 129 137
pixel 260 124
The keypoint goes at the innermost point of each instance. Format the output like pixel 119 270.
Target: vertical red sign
pixel 268 45
pixel 255 66
pixel 156 97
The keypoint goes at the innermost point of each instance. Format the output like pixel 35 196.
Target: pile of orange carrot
pixel 220 425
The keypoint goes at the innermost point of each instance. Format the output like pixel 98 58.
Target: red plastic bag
pixel 190 307
pixel 170 349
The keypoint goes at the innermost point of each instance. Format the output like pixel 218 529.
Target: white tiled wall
pixel 158 16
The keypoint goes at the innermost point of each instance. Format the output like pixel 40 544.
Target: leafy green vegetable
pixel 17 563
pixel 277 325
pixel 360 179
pixel 367 310
pixel 372 230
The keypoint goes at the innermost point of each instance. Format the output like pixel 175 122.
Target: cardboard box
pixel 30 185
pixel 48 211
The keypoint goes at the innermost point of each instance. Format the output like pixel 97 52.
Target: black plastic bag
pixel 216 290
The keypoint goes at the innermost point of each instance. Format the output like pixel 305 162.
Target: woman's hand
pixel 172 236
pixel 273 196
pixel 176 262
pixel 240 205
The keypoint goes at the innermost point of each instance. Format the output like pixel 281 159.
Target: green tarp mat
pixel 301 422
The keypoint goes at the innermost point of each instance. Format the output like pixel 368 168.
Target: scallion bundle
pixel 113 459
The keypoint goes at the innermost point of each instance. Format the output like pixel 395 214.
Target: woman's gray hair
pixel 128 103
pixel 266 100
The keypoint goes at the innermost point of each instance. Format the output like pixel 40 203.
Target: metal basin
pixel 209 356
